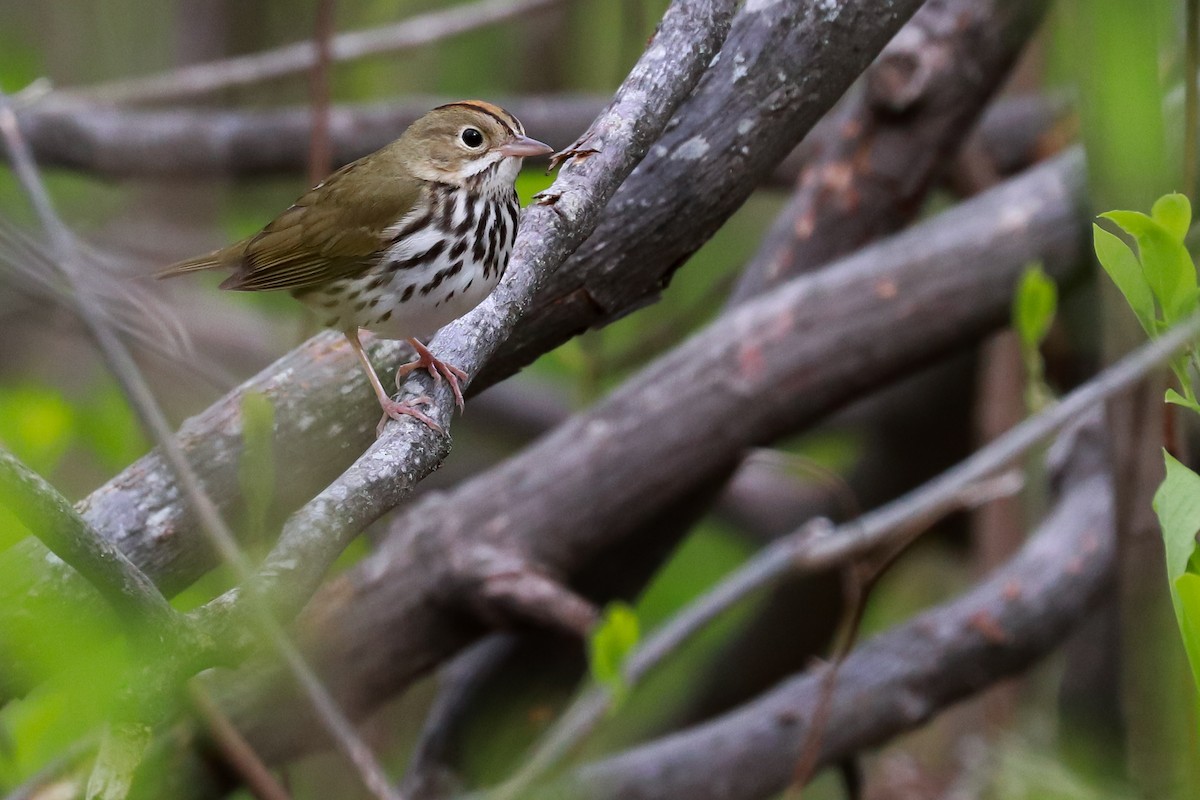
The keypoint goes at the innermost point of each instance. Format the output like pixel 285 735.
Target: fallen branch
pixel 819 545
pixel 901 678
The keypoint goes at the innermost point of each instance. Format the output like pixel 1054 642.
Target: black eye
pixel 472 137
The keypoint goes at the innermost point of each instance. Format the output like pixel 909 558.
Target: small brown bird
pixel 399 242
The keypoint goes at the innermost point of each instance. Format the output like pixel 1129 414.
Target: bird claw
pixel 437 369
pixel 580 150
pixel 399 409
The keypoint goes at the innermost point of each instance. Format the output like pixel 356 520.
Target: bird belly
pixel 404 303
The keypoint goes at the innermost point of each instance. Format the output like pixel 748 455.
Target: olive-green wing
pixel 335 230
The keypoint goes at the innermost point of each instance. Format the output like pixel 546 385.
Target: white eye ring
pixel 471 137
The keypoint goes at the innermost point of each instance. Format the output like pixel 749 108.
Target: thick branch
pixel 875 159
pixel 901 678
pixel 197 143
pixel 216 143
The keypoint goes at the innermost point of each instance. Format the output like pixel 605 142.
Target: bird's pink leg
pixel 436 367
pixel 392 409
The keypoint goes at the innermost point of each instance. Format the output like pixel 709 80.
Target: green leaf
pixel 1034 306
pixel 1186 592
pixel 1123 268
pixel 1177 504
pixel 1175 398
pixel 1173 212
pixel 1166 264
pixel 611 641
pixel 256 471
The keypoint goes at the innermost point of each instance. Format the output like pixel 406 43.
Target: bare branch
pixel 199 80
pixel 429 774
pixel 236 749
pixel 876 157
pixel 49 516
pixel 198 143
pixel 900 678
pixel 320 155
pixel 203 143
pixel 818 545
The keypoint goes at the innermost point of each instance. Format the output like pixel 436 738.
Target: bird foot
pixel 398 409
pixel 437 369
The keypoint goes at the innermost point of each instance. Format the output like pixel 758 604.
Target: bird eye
pixel 472 137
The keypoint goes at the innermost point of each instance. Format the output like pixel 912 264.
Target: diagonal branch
pixel 198 80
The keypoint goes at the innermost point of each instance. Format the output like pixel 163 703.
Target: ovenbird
pixel 399 242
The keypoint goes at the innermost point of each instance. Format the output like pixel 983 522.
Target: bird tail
pixel 199 263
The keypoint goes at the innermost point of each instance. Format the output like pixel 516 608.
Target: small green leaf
pixel 1186 593
pixel 1173 212
pixel 612 640
pixel 1166 264
pixel 1034 306
pixel 1123 268
pixel 1175 398
pixel 256 471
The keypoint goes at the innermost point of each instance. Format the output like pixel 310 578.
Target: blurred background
pixel 1050 733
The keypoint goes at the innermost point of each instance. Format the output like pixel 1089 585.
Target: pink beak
pixel 524 147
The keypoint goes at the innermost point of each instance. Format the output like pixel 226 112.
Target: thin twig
pixel 153 420
pixel 320 152
pixel 203 79
pixel 430 769
pixel 819 545
pixel 237 751
pixel 51 518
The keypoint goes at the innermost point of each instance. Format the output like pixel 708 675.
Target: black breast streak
pixel 417 259
pixel 478 250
